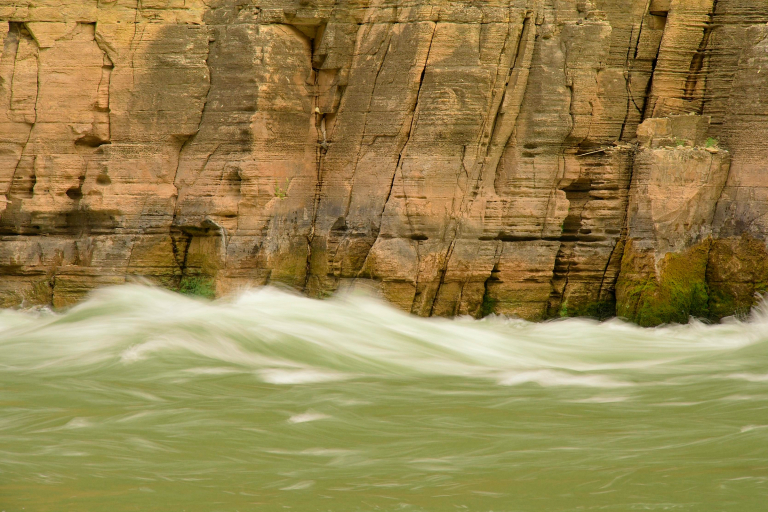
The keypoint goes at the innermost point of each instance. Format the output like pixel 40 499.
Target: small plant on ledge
pixel 280 193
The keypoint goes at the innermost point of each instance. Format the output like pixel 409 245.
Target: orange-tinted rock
pixel 465 157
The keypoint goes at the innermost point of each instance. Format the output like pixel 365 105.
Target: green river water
pixel 144 400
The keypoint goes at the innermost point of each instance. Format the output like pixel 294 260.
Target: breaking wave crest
pixel 287 339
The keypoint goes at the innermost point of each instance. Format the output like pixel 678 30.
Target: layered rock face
pixel 536 158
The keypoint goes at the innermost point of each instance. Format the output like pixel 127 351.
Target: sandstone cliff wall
pixel 530 157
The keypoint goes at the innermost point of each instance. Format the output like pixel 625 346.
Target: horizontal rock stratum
pixel 537 158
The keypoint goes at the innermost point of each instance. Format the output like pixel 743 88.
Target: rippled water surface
pixel 144 400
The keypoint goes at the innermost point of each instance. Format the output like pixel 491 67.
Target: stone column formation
pixel 538 158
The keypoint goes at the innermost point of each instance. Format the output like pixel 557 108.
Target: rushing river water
pixel 144 400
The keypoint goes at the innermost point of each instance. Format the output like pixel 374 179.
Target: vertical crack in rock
pixel 403 146
pixel 650 100
pixel 14 33
pixel 181 260
pixel 417 292
pixel 320 150
pixel 414 117
pixel 386 41
pixel 628 84
pixel 130 254
pixel 517 82
pixel 710 221
pixel 34 103
pixel 104 89
pixel 578 195
pixel 618 245
pixel 650 21
pixel 698 60
pixel 101 128
pixel 174 231
pixel 497 106
pixel 644 111
pixel 633 46
pixel 722 190
pixel 487 302
pixel 500 132
pixel 621 240
pixel 133 44
pixel 191 137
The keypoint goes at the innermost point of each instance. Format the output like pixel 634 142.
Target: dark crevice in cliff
pixel 178 237
pixel 130 255
pixel 443 272
pixel 560 275
pixel 20 31
pixel 617 252
pixel 415 114
pixel 186 140
pixel 321 149
pixel 98 135
pixel 657 19
pixel 414 118
pixel 628 83
pixel 386 42
pixel 14 37
pixel 697 62
pixel 488 302
pixel 616 255
pixel 403 146
pixel 619 245
pixel 133 46
pixel 417 291
pixel 500 133
pixel 648 104
pixel 497 115
pixel 520 52
pixel 720 197
pixel 578 195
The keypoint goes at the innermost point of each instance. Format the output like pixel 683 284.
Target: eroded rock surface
pixel 461 157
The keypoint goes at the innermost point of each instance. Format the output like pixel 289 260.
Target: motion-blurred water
pixel 140 399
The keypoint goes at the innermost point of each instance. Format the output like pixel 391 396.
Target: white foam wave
pixel 290 340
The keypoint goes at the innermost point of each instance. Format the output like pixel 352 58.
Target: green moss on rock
pixel 737 275
pixel 600 310
pixel 197 286
pixel 488 305
pixel 678 292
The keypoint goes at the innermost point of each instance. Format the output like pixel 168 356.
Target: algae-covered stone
pixel 673 290
pixel 737 275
